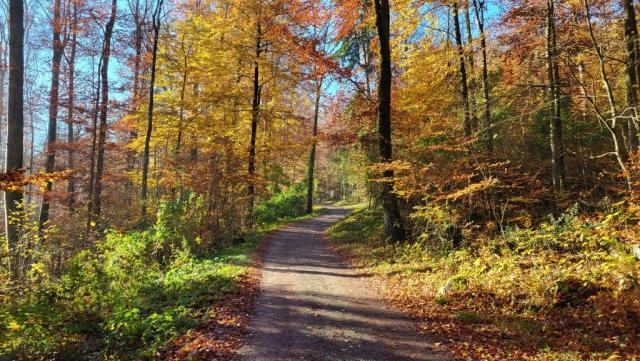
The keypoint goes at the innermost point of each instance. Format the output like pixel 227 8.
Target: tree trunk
pixel 94 141
pixel 183 91
pixel 393 227
pixel 255 118
pixel 614 126
pixel 462 72
pixel 54 99
pixel 15 123
pixel 139 22
pixel 473 99
pixel 555 121
pixel 71 185
pixel 147 140
pixel 487 130
pixel 632 57
pixel 3 75
pixel 312 151
pixel 104 103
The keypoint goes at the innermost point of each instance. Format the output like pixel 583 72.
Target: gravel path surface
pixel 312 306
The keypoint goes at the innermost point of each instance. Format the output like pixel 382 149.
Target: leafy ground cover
pixel 565 290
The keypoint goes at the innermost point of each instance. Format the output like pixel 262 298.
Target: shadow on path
pixel 314 307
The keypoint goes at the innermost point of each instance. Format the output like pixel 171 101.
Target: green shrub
pixel 289 203
pixel 125 298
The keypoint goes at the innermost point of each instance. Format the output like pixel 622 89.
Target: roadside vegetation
pixel 134 292
pixel 565 289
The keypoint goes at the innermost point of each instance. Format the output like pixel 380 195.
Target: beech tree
pixel 95 205
pixel 54 100
pixel 393 226
pixel 15 124
pixel 157 14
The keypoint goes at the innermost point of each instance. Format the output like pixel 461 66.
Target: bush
pixel 291 202
pixel 127 297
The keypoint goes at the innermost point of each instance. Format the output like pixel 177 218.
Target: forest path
pixel 313 306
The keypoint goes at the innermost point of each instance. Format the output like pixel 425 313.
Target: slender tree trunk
pixel 312 151
pixel 15 123
pixel 104 105
pixel 555 121
pixel 147 140
pixel 255 118
pixel 393 227
pixel 54 100
pixel 632 56
pixel 94 143
pixel 487 129
pixel 462 72
pixel 136 96
pixel 614 126
pixel 183 91
pixel 71 185
pixel 473 100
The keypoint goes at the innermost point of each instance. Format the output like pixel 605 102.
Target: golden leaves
pixel 15 179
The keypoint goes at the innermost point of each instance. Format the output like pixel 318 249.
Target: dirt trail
pixel 312 306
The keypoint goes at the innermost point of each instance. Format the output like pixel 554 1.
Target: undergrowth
pixel 129 296
pixel 568 286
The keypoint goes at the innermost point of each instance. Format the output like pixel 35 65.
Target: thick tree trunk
pixel 632 56
pixel 104 104
pixel 15 123
pixel 255 118
pixel 3 76
pixel 462 72
pixel 487 129
pixel 54 99
pixel 147 140
pixel 393 226
pixel 555 121
pixel 71 185
pixel 311 163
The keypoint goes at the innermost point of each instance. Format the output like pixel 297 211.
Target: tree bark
pixel 555 121
pixel 147 140
pixel 255 118
pixel 473 100
pixel 3 76
pixel 104 104
pixel 71 185
pixel 462 72
pixel 632 58
pixel 54 99
pixel 15 123
pixel 487 129
pixel 94 143
pixel 614 126
pixel 311 163
pixel 393 227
